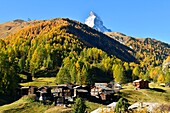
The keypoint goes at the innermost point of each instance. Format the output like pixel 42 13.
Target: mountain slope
pixel 88 36
pixel 11 27
pixel 95 22
pixel 149 51
pixel 166 64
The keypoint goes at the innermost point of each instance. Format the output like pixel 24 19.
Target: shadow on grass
pixel 158 90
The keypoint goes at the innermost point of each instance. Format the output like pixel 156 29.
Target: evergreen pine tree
pixel 122 106
pixel 79 106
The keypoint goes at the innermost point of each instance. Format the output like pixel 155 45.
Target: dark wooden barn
pixel 141 84
pixel 44 93
pixel 81 91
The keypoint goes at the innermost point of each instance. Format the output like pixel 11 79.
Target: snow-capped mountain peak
pixel 94 21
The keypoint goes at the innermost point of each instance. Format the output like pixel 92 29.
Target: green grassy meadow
pixel 155 93
pixel 42 81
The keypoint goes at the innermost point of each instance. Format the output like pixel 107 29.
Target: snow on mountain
pixel 95 22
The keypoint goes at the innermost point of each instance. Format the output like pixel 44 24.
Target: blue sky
pixel 139 18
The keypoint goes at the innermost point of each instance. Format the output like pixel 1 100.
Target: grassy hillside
pixel 155 93
pixel 25 105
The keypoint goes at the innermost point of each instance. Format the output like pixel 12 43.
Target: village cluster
pixel 64 94
pixel 67 93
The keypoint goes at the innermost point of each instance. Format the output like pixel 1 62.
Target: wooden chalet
pixel 28 90
pixel 141 84
pixel 102 91
pixel 32 90
pixel 44 93
pixel 81 91
pixel 62 94
pixel 62 90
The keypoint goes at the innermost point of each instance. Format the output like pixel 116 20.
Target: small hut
pixel 141 84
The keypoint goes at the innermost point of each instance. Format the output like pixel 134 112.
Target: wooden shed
pixel 141 84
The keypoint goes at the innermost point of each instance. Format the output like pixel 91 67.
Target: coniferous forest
pixel 75 53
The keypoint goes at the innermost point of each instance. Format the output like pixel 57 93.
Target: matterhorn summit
pixel 95 22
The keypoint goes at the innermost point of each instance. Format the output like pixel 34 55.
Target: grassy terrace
pixel 155 93
pixel 42 81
